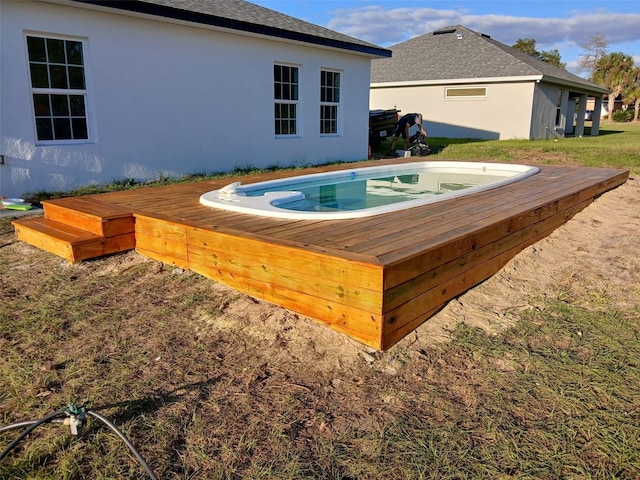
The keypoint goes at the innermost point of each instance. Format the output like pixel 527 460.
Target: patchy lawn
pixel 532 374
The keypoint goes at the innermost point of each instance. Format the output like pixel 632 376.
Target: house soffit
pixel 577 88
pixel 459 81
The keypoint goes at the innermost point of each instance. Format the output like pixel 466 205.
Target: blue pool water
pixel 361 192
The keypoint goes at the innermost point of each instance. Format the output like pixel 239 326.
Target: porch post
pixel 582 109
pixel 597 112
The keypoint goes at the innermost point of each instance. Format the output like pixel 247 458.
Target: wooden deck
pixel 375 278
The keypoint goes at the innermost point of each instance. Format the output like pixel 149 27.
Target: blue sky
pixel 564 25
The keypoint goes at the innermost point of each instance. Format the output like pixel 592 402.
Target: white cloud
pixel 388 26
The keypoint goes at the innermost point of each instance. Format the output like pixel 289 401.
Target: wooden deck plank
pixel 90 206
pixel 291 258
pixel 347 289
pixel 374 278
pixel 161 240
pixel 105 246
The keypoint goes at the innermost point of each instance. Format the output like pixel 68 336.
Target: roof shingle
pixel 244 16
pixel 457 52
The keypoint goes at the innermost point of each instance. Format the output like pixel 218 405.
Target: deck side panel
pixel 432 290
pixel 342 293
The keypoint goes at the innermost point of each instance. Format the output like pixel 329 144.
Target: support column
pixel 597 112
pixel 582 109
pixel 562 121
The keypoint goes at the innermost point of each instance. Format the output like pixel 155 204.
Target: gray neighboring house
pixel 468 85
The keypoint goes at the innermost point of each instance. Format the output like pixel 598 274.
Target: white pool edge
pixel 232 197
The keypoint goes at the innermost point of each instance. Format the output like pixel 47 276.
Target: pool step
pixel 78 229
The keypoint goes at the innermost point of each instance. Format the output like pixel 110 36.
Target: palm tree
pixel 631 95
pixel 614 71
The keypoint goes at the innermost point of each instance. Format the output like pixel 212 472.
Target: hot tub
pixel 363 192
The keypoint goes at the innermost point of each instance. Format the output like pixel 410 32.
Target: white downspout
pixel 3 158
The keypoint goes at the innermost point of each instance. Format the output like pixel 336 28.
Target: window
pixel 285 86
pixel 559 108
pixel 329 101
pixel 58 88
pixel 465 92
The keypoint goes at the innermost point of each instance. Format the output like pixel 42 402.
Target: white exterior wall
pixel 505 112
pixel 168 99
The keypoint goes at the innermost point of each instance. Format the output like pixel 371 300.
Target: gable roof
pixel 244 17
pixel 457 52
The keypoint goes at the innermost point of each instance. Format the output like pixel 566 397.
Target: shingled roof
pixel 457 52
pixel 245 17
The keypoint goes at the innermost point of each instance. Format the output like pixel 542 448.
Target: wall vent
pixel 442 32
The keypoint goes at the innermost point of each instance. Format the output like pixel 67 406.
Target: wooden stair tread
pixel 89 207
pixel 69 242
pixel 90 215
pixel 57 230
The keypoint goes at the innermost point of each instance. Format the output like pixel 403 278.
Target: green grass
pixel 556 396
pixel 617 146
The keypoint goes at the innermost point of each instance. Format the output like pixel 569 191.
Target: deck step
pixel 91 215
pixel 71 243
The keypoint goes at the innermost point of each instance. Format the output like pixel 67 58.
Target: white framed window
pixel 286 94
pixel 329 101
pixel 465 93
pixel 59 90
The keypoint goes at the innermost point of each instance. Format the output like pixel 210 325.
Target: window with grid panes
pixel 286 96
pixel 58 88
pixel 329 101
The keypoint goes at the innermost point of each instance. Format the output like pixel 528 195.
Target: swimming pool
pixel 363 192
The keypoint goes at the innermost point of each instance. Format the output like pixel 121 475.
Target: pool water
pixel 366 191
pixel 355 193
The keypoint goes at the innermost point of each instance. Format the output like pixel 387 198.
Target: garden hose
pixel 75 417
pixel 126 441
pixel 30 429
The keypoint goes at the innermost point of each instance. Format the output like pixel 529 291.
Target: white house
pixel 96 91
pixel 468 85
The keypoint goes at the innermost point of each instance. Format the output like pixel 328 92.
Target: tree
pixel 595 49
pixel 552 57
pixel 631 94
pixel 528 46
pixel 614 71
